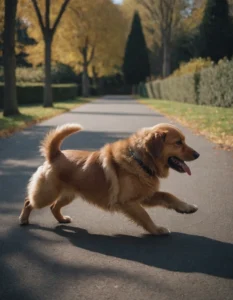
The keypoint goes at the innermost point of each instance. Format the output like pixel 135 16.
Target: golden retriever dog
pixel 120 177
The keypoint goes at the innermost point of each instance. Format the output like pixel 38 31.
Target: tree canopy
pixel 216 38
pixel 97 27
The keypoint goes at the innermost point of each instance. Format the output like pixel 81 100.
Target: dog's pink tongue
pixel 186 168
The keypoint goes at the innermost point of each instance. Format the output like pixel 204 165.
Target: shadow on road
pixel 31 268
pixel 179 252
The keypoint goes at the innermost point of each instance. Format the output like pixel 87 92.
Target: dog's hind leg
pixel 39 200
pixel 25 213
pixel 42 192
pixel 138 214
pixel 62 201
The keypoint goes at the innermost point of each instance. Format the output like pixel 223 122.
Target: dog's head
pixel 166 145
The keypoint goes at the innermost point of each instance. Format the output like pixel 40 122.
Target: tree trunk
pixel 101 88
pixel 85 82
pixel 166 57
pixel 48 33
pixel 95 76
pixel 95 80
pixel 10 97
pixel 48 95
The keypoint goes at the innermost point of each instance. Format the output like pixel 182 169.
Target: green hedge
pixel 215 87
pixel 60 73
pixel 33 93
pixel 156 88
pixel 142 90
pixel 210 86
pixel 173 89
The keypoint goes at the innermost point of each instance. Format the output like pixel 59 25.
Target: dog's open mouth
pixel 178 165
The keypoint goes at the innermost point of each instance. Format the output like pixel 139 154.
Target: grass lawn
pixel 216 123
pixel 32 114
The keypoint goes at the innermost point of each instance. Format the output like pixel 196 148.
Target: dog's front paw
pixel 187 209
pixel 161 231
pixel 65 220
pixel 23 221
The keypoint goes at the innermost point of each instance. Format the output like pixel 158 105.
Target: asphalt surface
pixel 104 256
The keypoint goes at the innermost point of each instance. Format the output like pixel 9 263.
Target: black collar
pixel 141 163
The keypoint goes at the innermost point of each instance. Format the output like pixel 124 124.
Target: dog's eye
pixel 179 143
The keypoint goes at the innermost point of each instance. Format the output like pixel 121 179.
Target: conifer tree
pixel 136 65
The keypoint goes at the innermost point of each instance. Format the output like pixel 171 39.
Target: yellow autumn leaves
pixel 97 26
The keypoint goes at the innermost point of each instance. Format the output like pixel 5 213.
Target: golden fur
pixel 111 177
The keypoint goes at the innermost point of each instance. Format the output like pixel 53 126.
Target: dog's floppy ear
pixel 155 143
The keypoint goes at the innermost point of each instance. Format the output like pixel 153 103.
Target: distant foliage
pixel 216 38
pixel 30 75
pixel 193 66
pixel 62 73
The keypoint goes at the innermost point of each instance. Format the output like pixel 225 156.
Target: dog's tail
pixel 50 146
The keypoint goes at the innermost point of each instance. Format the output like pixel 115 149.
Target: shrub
pixel 60 74
pixel 215 87
pixel 142 90
pixel 62 92
pixel 152 89
pixel 207 85
pixel 156 89
pixel 181 88
pixel 29 75
pixel 149 90
pixel 33 93
pixel 63 74
pixel 193 66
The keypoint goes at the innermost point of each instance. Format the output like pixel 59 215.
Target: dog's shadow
pixel 179 252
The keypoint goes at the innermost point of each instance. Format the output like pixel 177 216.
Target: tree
pixel 94 48
pixel 45 16
pixel 166 15
pixel 185 44
pixel 161 20
pixel 1 29
pixel 109 53
pixel 83 40
pixel 1 16
pixel 86 30
pixel 216 31
pixel 21 38
pixel 136 65
pixel 48 34
pixel 10 97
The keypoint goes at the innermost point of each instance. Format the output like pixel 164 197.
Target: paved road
pixel 103 256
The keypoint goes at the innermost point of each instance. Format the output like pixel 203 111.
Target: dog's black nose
pixel 195 155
